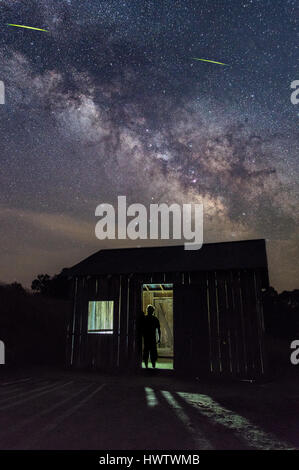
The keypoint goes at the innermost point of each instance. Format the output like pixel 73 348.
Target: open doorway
pixel 161 297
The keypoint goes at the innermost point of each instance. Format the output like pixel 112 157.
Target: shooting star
pixel 212 61
pixel 27 27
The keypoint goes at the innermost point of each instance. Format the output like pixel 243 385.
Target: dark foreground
pixel 48 409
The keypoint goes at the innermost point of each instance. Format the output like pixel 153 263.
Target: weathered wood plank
pixel 223 312
pixel 214 324
pixel 232 327
pixel 239 324
pixel 263 361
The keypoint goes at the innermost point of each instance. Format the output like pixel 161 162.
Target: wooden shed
pixel 208 302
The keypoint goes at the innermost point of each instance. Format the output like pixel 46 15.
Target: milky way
pixel 111 102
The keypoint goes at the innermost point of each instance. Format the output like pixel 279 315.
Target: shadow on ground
pixel 55 409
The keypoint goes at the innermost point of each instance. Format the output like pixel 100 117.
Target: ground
pixel 60 409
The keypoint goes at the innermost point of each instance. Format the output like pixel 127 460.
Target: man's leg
pixel 154 355
pixel 146 355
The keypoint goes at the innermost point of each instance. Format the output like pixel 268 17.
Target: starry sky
pixel 111 102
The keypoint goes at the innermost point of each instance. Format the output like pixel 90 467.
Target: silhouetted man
pixel 150 325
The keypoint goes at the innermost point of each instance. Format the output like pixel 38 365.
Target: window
pixel 100 316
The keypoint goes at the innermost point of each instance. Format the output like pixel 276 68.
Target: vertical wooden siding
pixel 218 322
pixel 230 308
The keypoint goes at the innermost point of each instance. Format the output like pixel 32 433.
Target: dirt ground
pixel 59 409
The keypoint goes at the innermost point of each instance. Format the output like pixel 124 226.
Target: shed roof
pixel 212 256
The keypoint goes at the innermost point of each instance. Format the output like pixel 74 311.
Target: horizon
pixel 26 282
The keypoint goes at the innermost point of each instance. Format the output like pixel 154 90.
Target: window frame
pixel 108 331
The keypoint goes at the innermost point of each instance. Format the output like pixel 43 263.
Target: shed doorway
pixel 161 297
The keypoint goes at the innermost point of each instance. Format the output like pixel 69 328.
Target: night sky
pixel 111 102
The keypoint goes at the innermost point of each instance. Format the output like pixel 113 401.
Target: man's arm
pixel 159 330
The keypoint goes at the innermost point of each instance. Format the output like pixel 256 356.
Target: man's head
pixel 150 310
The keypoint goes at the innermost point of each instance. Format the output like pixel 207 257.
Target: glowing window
pixel 100 316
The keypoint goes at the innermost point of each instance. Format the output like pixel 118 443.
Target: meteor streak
pixel 27 27
pixel 212 61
